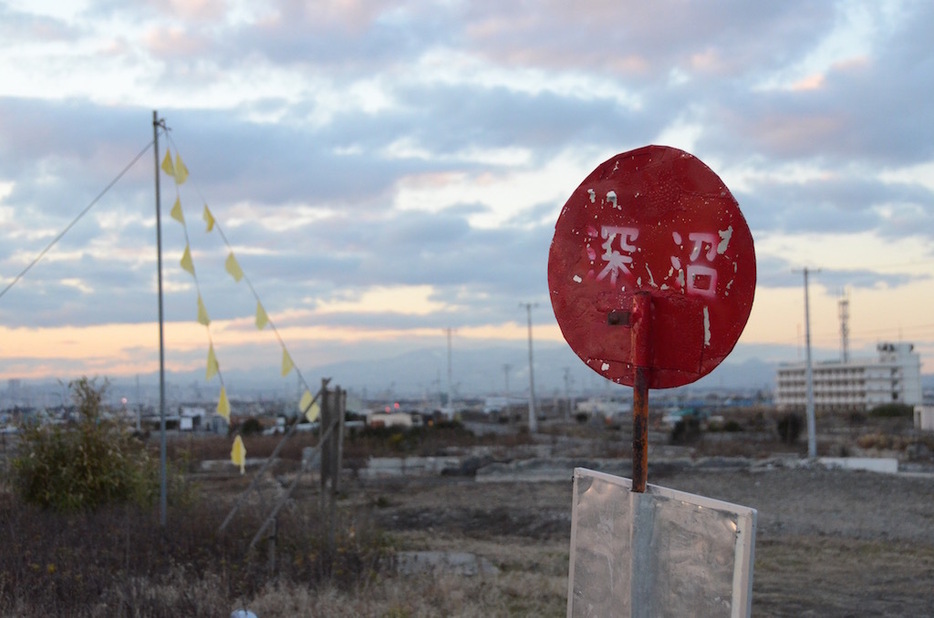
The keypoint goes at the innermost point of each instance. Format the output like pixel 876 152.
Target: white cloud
pixel 458 67
pixel 858 30
pixel 844 252
pixel 681 133
pixel 408 300
pixel 508 194
pixel 51 8
pixel 921 174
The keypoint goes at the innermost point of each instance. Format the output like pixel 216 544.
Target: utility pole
pixel 809 372
pixel 163 491
pixel 567 393
pixel 845 328
pixel 508 404
pixel 449 331
pixel 533 419
pixel 139 407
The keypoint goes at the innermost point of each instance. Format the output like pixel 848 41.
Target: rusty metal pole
pixel 641 321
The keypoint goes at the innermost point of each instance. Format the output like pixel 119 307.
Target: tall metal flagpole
pixel 163 493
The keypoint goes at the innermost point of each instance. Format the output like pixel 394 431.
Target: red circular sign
pixel 653 222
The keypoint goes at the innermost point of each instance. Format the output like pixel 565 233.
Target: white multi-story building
pixel 857 384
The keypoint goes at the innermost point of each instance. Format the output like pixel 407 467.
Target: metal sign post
pixel 642 347
pixel 651 241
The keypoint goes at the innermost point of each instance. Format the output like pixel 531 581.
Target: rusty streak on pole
pixel 641 319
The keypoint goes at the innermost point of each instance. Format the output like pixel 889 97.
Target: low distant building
pixel 191 419
pixel 215 423
pixel 392 419
pixel 924 418
pixel 854 385
pixel 612 412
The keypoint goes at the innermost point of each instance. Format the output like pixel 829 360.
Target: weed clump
pixel 892 410
pixel 686 430
pixel 85 464
pixel 789 428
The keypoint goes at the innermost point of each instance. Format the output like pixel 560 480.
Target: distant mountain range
pixel 505 369
pixel 423 374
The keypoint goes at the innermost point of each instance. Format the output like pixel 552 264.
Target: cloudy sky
pixel 385 170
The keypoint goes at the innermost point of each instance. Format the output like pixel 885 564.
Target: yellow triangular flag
pixel 309 407
pixel 261 318
pixel 167 166
pixel 313 412
pixel 213 367
pixel 202 312
pixel 287 364
pixel 208 218
pixel 238 453
pixel 186 262
pixel 181 172
pixel 233 267
pixel 177 211
pixel 223 406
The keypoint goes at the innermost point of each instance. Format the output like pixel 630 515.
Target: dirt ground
pixel 829 542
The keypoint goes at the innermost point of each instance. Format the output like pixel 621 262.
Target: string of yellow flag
pixel 308 405
pixel 179 173
pixel 262 319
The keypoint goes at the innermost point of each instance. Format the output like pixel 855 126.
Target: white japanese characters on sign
pixel 617 261
pixel 694 273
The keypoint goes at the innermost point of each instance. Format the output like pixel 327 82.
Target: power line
pixel 76 219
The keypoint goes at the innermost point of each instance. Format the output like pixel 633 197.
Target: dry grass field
pixel 829 543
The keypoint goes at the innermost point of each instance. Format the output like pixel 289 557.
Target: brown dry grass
pixel 120 562
pixel 425 596
pixel 377 442
pixel 895 579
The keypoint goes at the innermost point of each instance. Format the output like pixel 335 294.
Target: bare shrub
pixel 251 427
pixel 94 462
pixel 430 440
pixel 686 430
pixel 892 410
pixel 883 441
pixel 789 428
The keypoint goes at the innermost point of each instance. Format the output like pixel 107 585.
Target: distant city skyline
pixel 419 375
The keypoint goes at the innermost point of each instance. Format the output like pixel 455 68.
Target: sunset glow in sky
pixel 384 170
